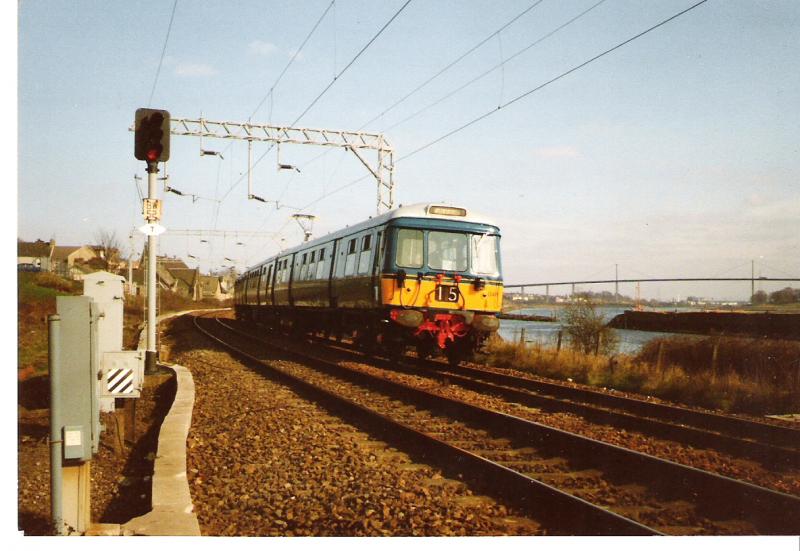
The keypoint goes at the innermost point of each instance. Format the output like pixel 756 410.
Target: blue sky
pixel 676 155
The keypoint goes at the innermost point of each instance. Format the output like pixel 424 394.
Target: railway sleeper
pixel 521 436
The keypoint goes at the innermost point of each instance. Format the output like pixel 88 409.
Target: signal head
pixel 152 135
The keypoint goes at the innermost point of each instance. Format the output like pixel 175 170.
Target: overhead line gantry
pixel 356 142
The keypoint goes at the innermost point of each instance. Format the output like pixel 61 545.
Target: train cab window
pixel 269 277
pixel 409 248
pixel 484 252
pixel 363 257
pixel 447 251
pixel 321 264
pixel 350 262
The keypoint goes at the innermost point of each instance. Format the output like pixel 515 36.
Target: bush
pixel 767 361
pixel 586 329
pixel 170 302
pixel 694 384
pixel 53 281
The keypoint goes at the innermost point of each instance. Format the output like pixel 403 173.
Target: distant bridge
pixel 616 282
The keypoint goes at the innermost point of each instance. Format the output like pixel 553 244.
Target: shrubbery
pixel 773 389
pixel 586 328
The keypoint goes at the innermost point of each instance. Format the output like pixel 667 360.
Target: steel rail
pixel 764 433
pixel 772 444
pixel 769 511
pixel 549 504
pixel 514 389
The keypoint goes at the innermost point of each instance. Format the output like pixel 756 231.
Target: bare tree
pixel 586 328
pixel 107 245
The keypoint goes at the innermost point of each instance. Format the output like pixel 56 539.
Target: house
pixel 187 282
pixel 211 288
pixel 164 279
pixel 66 257
pixel 39 253
pixel 171 263
pixel 110 257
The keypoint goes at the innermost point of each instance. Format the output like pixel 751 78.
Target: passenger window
pixel 321 265
pixel 363 258
pixel 311 265
pixel 304 267
pixel 409 248
pixel 350 262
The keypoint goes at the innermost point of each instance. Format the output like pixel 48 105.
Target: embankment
pixel 755 324
pixel 525 317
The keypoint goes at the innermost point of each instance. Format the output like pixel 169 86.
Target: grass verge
pixel 683 375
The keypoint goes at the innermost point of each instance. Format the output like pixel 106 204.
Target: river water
pixel 546 332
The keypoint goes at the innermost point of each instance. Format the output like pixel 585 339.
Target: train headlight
pixel 407 318
pixel 486 324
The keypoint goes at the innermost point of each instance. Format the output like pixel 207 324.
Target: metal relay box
pixel 79 367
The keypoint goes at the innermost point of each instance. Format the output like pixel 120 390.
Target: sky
pixel 675 155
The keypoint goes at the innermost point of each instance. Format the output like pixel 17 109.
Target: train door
pixel 258 285
pixel 377 262
pixel 280 291
pixel 293 259
pixel 268 286
pixel 336 266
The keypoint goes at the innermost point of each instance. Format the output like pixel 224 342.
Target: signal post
pixel 152 130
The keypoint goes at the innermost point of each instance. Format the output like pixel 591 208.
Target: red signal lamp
pixel 152 132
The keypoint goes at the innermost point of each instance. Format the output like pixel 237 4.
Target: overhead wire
pixel 551 81
pixel 296 53
pixel 452 63
pixel 437 74
pixel 470 82
pixel 163 52
pixel 500 65
pixel 271 90
pixel 325 90
pixel 525 94
pixel 519 97
pixel 294 56
pixel 343 71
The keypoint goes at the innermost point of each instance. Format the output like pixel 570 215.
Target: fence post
pixel 522 336
pixel 714 355
pixel 558 342
pixel 660 356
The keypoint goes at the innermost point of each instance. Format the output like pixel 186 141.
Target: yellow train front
pixel 422 275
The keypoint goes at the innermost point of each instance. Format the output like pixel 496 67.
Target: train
pixel 426 276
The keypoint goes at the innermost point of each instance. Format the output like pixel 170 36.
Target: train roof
pixel 430 211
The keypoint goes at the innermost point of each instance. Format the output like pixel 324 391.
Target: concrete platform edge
pixel 173 512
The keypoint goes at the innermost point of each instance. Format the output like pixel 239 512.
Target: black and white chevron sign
pixel 120 381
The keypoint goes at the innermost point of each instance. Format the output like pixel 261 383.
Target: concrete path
pixel 173 512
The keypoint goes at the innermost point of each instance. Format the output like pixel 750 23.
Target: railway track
pixel 578 484
pixel 774 446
